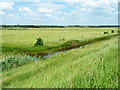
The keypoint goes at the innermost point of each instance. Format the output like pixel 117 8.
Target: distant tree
pixel 112 31
pixel 39 42
pixel 106 32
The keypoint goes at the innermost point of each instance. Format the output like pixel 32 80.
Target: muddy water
pixel 49 55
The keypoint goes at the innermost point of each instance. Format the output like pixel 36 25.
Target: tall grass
pixel 95 66
pixel 15 61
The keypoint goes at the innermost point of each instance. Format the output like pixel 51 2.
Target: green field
pixel 23 40
pixel 93 66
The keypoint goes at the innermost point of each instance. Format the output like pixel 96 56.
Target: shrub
pixel 39 42
pixel 63 39
pixel 106 32
pixel 14 61
pixel 112 31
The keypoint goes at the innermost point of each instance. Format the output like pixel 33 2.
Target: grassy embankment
pixel 94 66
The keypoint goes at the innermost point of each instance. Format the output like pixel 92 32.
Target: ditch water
pixel 48 56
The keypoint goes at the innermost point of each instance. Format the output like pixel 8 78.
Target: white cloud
pixel 46 10
pixel 92 11
pixel 59 12
pixel 99 7
pixel 48 15
pixel 6 5
pixel 72 1
pixel 25 9
pixel 10 15
pixel 27 12
pixel 83 9
pixel 65 13
pixel 2 13
pixel 52 16
pixel 48 7
pixel 75 12
pixel 98 3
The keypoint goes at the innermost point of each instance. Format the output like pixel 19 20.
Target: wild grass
pixel 22 41
pixel 94 66
pixel 15 61
pixel 17 45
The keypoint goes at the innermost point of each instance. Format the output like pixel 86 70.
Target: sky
pixel 59 12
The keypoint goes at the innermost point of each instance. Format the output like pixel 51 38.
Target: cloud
pixel 103 5
pixel 52 17
pixel 68 12
pixel 72 1
pixel 10 15
pixel 91 11
pixel 27 12
pixel 98 7
pixel 59 12
pixel 44 10
pixel 48 7
pixel 48 15
pixel 2 13
pixel 25 9
pixel 6 5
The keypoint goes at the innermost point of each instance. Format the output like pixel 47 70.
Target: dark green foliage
pixel 54 26
pixel 14 28
pixel 106 32
pixel 112 31
pixel 39 42
pixel 63 39
pixel 14 61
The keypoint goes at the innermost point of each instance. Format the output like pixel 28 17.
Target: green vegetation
pixel 106 32
pixel 112 31
pixel 15 61
pixel 39 42
pixel 93 66
pixel 22 41
pixel 14 28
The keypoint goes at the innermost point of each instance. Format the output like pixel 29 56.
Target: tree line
pixel 53 26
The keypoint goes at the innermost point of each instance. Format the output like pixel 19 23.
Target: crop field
pixel 95 65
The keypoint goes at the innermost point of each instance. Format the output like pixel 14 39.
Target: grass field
pixel 23 40
pixel 94 66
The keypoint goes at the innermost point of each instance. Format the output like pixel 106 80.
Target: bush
pixel 14 61
pixel 106 32
pixel 112 31
pixel 39 42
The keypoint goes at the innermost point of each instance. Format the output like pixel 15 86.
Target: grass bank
pixel 72 44
pixel 94 66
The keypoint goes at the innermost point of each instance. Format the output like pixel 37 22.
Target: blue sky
pixel 64 12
